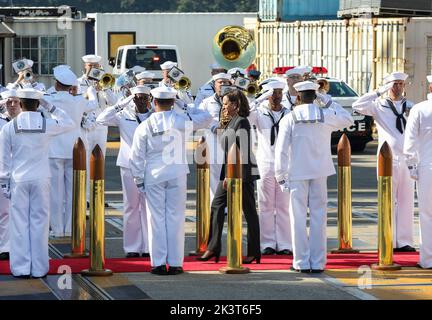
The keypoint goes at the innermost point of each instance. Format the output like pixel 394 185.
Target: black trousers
pixel 249 210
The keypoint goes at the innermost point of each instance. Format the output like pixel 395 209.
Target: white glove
pixel 91 93
pixel 264 96
pixel 123 103
pixel 140 184
pixel 3 105
pixel 413 172
pixel 89 121
pixel 6 190
pixel 284 185
pixel 324 98
pixel 383 89
pixel 46 105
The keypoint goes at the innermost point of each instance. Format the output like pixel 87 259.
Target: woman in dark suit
pixel 238 130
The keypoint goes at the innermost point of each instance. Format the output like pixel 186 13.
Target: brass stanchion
pixel 344 197
pixel 203 198
pixel 78 202
pixel 97 216
pixel 385 209
pixel 235 210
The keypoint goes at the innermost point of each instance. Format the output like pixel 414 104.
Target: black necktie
pixel 400 119
pixel 275 128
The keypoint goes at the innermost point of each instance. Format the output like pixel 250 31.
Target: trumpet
pixel 183 84
pixel 252 88
pixel 107 81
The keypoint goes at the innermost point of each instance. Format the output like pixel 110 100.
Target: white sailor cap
pixel 29 62
pixel 64 75
pixel 394 76
pixel 140 89
pixel 168 65
pixel 29 93
pixel 233 71
pixel 164 93
pixel 274 85
pixel 91 58
pixel 8 94
pixel 306 86
pixel 223 76
pixel 138 69
pixel 301 70
pixel 145 75
pixel 429 78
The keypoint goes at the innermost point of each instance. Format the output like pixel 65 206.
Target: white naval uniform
pixel 158 157
pixel 303 157
pixel 4 207
pixel 403 185
pixel 213 105
pixel 135 231
pixel 204 92
pixel 61 161
pixel 35 85
pixel 273 204
pixel 418 152
pixel 24 144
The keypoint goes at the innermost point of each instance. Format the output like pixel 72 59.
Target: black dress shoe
pixel 420 267
pixel 405 249
pixel 268 251
pixel 4 256
pixel 41 277
pixel 145 255
pixel 161 270
pixel 24 276
pixel 175 270
pixel 285 252
pixel 133 255
pixel 300 270
pixel 317 271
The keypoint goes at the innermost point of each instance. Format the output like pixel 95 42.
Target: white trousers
pixel 403 205
pixel 61 196
pixel 424 187
pixel 135 233
pixel 274 219
pixel 94 137
pixel 216 157
pixel 4 223
pixel 29 228
pixel 166 206
pixel 310 252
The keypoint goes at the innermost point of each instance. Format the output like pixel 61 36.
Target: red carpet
pixel 342 261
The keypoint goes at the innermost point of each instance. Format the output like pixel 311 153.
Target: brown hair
pixel 238 97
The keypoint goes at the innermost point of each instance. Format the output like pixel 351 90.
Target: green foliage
pixel 144 5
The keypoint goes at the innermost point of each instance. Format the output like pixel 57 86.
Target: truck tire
pixel 358 146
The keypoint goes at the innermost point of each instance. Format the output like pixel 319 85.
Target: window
pixel 118 39
pixel 47 52
pixel 341 89
pixel 151 59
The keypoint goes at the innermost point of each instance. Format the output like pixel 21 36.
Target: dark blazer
pixel 239 130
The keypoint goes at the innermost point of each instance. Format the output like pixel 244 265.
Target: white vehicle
pixel 147 56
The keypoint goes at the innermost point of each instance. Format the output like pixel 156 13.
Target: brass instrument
pixel 252 88
pixel 183 84
pixel 324 86
pixel 233 46
pixel 107 81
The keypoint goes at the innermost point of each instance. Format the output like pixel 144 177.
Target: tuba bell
pixel 233 46
pixel 252 88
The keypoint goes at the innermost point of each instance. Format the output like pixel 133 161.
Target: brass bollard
pixel 78 202
pixel 203 198
pixel 235 210
pixel 97 216
pixel 344 197
pixel 385 209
